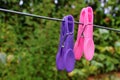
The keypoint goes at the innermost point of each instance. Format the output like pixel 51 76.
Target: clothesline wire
pixel 54 19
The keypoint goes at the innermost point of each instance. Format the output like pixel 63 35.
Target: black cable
pixel 54 19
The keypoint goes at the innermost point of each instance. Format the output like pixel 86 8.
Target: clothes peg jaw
pixel 78 47
pixel 89 46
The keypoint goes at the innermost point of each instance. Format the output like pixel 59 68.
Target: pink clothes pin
pixel 84 43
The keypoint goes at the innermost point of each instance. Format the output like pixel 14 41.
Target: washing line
pixel 54 19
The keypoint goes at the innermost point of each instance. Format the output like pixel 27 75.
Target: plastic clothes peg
pixel 65 57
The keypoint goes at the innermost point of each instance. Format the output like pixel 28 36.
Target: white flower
pixel 21 2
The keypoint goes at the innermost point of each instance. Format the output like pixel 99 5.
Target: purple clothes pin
pixel 65 57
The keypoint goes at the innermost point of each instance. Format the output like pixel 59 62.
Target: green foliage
pixel 28 45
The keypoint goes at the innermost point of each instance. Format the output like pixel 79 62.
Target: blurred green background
pixel 28 45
